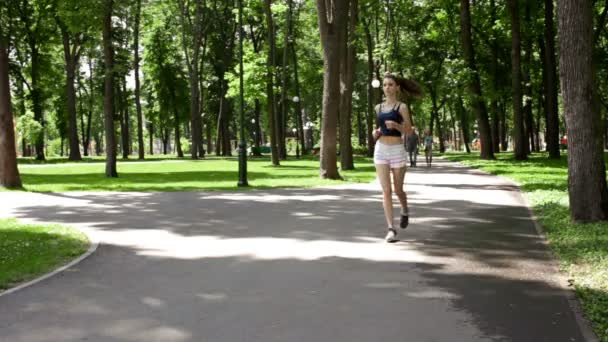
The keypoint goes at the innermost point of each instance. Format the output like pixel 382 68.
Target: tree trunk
pixel 587 188
pixel 347 81
pixel 87 141
pixel 464 124
pixel 529 145
pixel 178 143
pixel 9 174
pixel 140 119
pixel 504 144
pixel 298 105
pixel 270 100
pixel 120 109
pixel 550 71
pixel 125 109
pixel 36 96
pixel 209 139
pixel 299 115
pixel 519 136
pixel 165 138
pixel 284 98
pixel 194 26
pixel 540 107
pixel 108 99
pixel 333 25
pixel 256 126
pixel 151 142
pixel 479 105
pixel 494 50
pixel 71 61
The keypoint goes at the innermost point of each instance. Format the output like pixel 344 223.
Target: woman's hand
pixel 377 133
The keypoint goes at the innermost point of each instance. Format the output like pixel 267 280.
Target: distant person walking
pixel 411 146
pixel 428 147
pixel 393 120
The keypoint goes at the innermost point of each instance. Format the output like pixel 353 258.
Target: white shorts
pixel 392 155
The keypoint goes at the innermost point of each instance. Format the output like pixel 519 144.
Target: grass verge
pixel 582 249
pixel 185 174
pixel 28 251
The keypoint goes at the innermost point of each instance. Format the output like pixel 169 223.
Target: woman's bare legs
pixel 383 172
pixel 398 178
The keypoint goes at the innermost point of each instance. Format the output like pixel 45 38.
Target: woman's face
pixel 390 87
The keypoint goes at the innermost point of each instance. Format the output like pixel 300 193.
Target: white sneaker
pixel 391 235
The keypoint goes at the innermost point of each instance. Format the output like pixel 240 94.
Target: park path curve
pixel 297 265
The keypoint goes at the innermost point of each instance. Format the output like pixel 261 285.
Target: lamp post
pixel 242 146
pixel 296 101
pixel 295 133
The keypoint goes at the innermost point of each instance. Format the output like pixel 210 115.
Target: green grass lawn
pixel 27 251
pixel 175 175
pixel 581 248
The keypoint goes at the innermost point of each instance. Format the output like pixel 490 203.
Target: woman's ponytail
pixel 408 86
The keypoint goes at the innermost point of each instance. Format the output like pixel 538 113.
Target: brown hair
pixel 408 86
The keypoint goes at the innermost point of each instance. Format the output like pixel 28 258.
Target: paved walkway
pixel 296 265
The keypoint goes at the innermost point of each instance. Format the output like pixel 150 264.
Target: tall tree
pixel 140 120
pixel 193 33
pixel 519 137
pixel 550 84
pixel 333 25
pixel 369 118
pixel 270 99
pixel 479 105
pixel 9 174
pixel 75 31
pixel 587 188
pixel 37 30
pixel 494 51
pixel 299 115
pixel 347 79
pixel 108 99
pixel 527 69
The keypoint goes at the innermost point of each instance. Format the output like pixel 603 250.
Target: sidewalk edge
pixel 583 323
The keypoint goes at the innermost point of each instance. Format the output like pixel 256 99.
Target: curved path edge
pixel 583 323
pixel 93 244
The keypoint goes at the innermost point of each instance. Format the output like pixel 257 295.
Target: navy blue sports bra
pixel 393 115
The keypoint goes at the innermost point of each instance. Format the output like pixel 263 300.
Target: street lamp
pixel 296 100
pixel 295 133
pixel 242 146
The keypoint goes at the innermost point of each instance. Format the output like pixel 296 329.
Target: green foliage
pixel 28 127
pixel 165 77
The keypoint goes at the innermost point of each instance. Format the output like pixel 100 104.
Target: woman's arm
pixel 377 132
pixel 406 127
